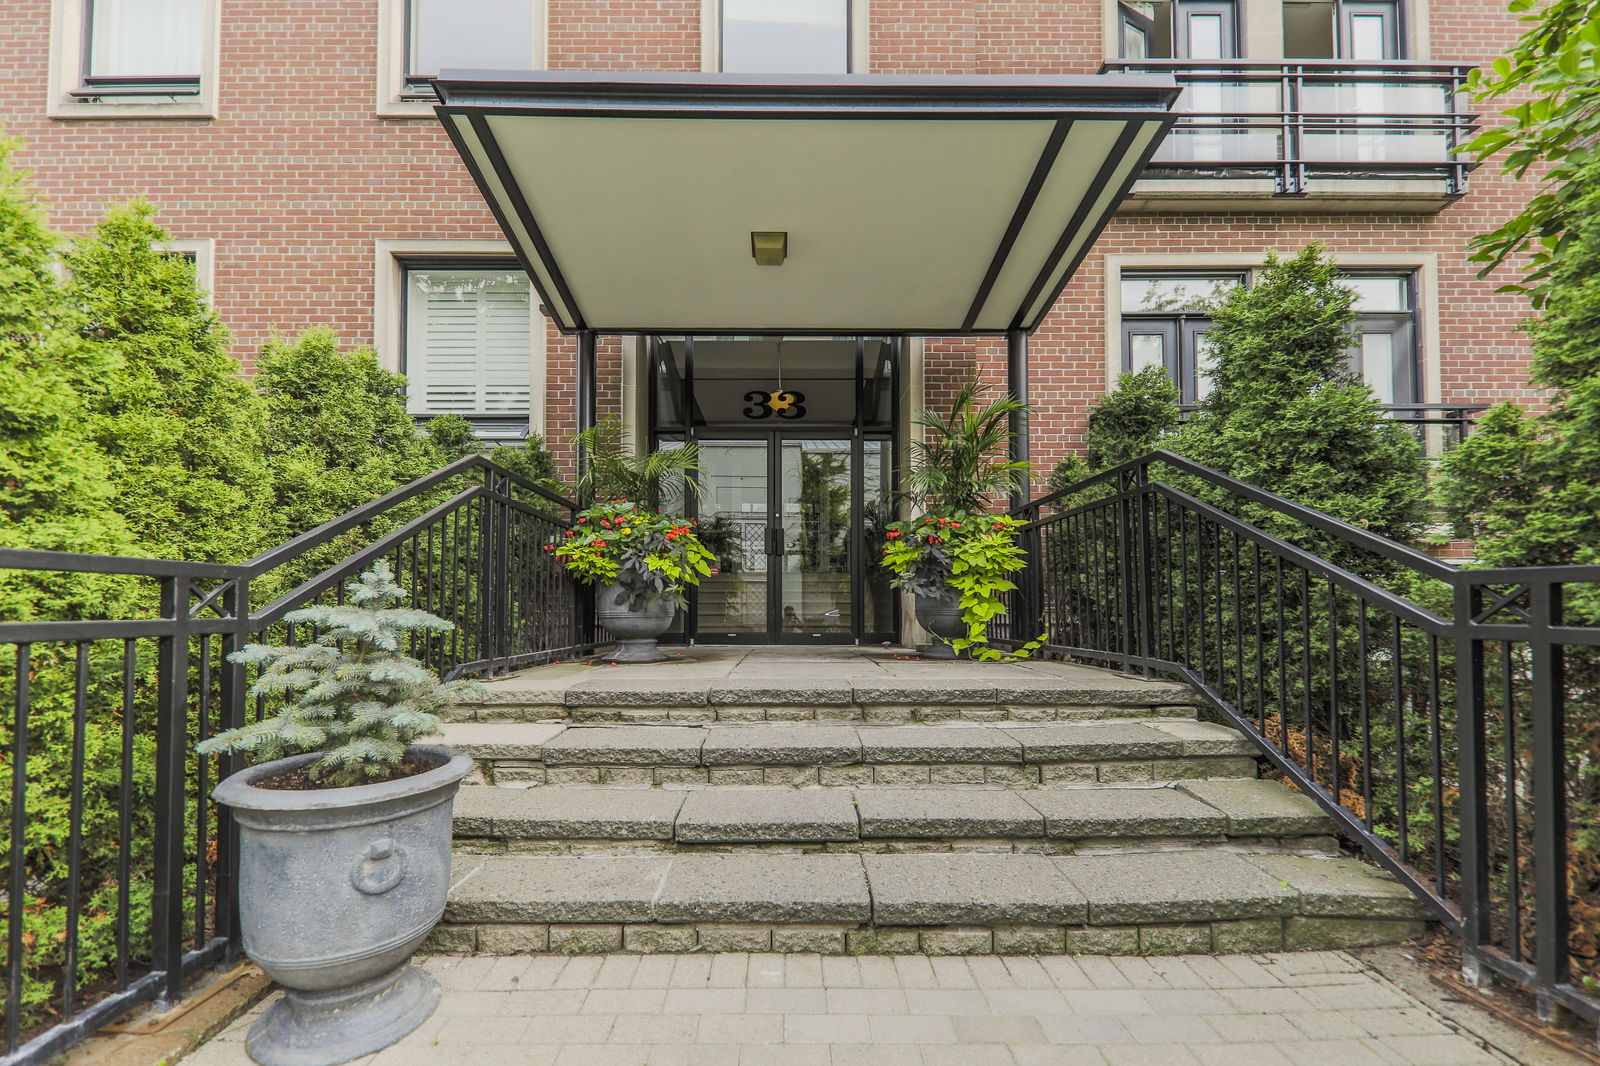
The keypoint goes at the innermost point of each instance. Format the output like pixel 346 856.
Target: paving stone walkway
pixel 1303 1009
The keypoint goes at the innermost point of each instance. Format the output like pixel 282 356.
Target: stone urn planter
pixel 941 615
pixel 338 886
pixel 635 630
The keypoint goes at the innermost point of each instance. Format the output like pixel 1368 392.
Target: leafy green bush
pixel 184 429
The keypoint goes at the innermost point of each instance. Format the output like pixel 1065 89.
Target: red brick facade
pixel 297 176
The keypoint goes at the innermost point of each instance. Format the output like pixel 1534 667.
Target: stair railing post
pixel 1128 572
pixel 172 735
pixel 1550 853
pixel 1471 768
pixel 231 715
pixel 1146 568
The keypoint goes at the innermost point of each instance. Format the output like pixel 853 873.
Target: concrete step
pixel 707 684
pixel 1242 814
pixel 1194 901
pixel 1016 755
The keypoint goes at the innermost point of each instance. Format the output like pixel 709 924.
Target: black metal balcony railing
pixel 1447 730
pixel 106 818
pixel 1305 120
pixel 1438 426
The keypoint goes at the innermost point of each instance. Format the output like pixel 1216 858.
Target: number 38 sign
pixel 778 402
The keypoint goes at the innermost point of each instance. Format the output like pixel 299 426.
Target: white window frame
pixel 390 260
pixel 66 71
pixel 392 58
pixel 711 36
pixel 203 251
pixel 1424 267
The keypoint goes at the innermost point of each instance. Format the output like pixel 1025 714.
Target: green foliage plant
pixel 170 406
pixel 648 555
pixel 351 695
pixel 961 462
pixel 973 554
pixel 615 472
pixel 1552 73
pixel 1286 412
pixel 1134 419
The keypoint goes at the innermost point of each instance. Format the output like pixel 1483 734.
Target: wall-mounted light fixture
pixel 770 247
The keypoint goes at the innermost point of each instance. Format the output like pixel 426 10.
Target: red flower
pixel 583 520
pixel 571 532
pixel 599 544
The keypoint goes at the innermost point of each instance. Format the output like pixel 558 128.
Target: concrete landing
pixel 748 679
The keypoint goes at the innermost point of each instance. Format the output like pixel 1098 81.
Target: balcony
pixel 1319 134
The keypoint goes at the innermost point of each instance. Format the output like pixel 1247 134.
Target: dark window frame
pixel 480 420
pixel 1394 14
pixel 415 86
pixel 93 87
pixel 1178 27
pixel 722 36
pixel 1185 328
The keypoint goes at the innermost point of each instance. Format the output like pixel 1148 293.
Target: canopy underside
pixel 891 205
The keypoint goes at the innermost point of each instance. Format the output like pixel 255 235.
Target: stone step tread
pixel 920 889
pixel 758 815
pixel 805 744
pixel 696 684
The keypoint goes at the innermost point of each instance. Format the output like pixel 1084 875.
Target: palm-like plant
pixel 963 460
pixel 615 473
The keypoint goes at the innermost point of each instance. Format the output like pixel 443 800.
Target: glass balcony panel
pixel 1359 145
pixel 1242 145
pixel 1228 98
pixel 1373 98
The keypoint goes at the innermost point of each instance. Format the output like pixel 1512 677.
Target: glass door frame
pixel 682 382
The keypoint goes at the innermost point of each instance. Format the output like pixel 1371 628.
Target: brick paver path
pixel 1310 1009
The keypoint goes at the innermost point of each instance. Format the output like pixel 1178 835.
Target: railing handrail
pixel 1331 67
pixel 1320 520
pixel 332 528
pixel 129 565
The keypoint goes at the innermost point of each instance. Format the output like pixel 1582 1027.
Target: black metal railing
pixel 1297 121
pixel 1437 426
pixel 1443 717
pixel 120 875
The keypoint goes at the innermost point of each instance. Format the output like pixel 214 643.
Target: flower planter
pixel 338 886
pixel 635 630
pixel 941 615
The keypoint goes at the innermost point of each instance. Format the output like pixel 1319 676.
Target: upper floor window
pixel 466 35
pixel 1363 31
pixel 785 36
pixel 1166 319
pixel 1178 29
pixel 468 345
pixel 142 48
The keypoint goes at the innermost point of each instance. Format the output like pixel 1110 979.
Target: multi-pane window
pixel 1358 30
pixel 1166 317
pixel 1178 29
pixel 466 35
pixel 785 36
pixel 1385 348
pixel 142 48
pixel 468 341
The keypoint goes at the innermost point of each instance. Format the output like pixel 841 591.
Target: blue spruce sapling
pixel 351 694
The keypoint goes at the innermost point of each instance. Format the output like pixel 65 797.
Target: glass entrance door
pixel 788 517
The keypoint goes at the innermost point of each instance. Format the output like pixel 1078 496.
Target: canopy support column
pixel 586 391
pixel 1017 385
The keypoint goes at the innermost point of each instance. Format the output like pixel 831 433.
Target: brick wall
pixel 297 178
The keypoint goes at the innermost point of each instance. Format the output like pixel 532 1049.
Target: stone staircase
pixel 832 800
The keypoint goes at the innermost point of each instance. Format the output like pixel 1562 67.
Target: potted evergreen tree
pixel 344 826
pixel 955 557
pixel 640 558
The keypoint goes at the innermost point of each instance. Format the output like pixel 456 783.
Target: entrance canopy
pixel 740 204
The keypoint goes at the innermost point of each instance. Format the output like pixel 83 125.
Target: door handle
pixel 774 540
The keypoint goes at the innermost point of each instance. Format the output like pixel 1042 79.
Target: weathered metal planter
pixel 941 616
pixel 338 887
pixel 635 630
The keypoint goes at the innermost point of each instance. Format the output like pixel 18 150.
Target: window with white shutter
pixel 468 343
